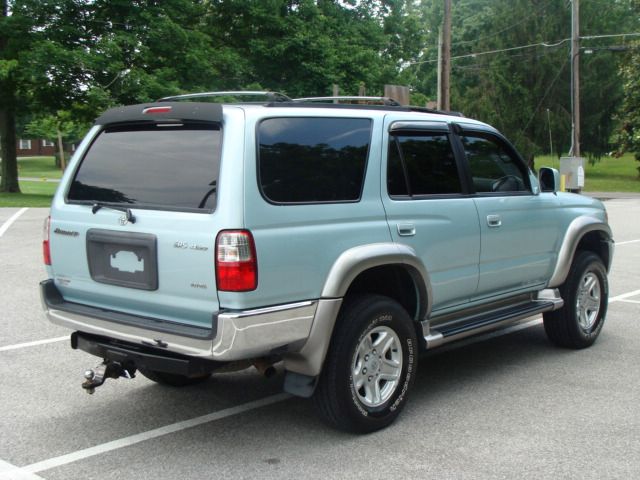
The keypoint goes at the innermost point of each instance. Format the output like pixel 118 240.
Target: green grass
pixel 608 175
pixel 39 167
pixel 34 194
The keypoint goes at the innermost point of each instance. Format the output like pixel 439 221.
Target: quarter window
pixel 313 160
pixel 492 167
pixel 421 164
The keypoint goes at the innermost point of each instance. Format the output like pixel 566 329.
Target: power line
pixel 489 52
pixel 532 45
pixel 612 35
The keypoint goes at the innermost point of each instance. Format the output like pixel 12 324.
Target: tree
pixel 8 66
pixel 302 47
pixel 41 60
pixel 57 128
pixel 629 116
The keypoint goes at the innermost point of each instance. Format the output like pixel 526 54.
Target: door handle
pixel 406 229
pixel 494 221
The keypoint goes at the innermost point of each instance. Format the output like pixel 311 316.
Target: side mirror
pixel 549 179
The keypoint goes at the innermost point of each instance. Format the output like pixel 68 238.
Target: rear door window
pixel 421 163
pixel 313 160
pixel 156 167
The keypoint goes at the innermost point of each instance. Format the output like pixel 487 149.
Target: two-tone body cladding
pixel 583 220
pixel 189 237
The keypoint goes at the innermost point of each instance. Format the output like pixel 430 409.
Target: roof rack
pixel 386 101
pixel 270 96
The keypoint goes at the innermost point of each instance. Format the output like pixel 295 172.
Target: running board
pixel 547 300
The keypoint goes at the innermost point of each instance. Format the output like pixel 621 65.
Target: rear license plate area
pixel 122 258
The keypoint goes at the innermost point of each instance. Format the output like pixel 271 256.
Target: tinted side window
pixel 426 161
pixel 150 166
pixel 313 160
pixel 492 167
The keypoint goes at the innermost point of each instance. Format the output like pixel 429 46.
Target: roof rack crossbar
pixel 390 102
pixel 271 96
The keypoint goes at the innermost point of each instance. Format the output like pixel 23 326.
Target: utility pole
pixel 444 59
pixel 575 78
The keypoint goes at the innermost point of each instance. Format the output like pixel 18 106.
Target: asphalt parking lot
pixel 504 405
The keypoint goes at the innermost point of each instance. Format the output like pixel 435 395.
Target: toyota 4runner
pixel 189 237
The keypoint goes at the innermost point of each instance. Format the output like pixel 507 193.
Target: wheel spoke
pixel 377 366
pixel 390 370
pixel 593 304
pixel 388 344
pixel 588 301
pixel 377 397
pixel 382 338
pixel 368 393
pixel 589 283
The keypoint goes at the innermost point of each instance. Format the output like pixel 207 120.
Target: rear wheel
pixel 370 366
pixel 586 293
pixel 173 379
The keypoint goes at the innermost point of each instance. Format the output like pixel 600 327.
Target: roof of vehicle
pixel 194 107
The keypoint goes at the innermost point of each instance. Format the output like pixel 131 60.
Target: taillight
pixel 46 250
pixel 236 262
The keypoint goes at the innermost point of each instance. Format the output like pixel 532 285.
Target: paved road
pixel 506 405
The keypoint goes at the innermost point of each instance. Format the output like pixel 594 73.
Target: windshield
pixel 152 166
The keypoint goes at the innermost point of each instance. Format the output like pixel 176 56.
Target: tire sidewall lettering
pixel 409 358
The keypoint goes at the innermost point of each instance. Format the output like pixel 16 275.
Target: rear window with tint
pixel 313 160
pixel 172 167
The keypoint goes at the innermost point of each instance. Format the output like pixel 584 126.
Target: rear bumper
pixel 140 356
pixel 234 335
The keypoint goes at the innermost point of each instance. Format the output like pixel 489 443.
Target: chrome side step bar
pixel 545 301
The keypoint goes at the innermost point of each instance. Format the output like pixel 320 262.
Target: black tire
pixel 364 321
pixel 565 327
pixel 172 379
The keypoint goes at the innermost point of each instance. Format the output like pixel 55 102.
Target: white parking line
pixel 5 226
pixel 156 432
pixel 34 343
pixel 631 301
pixel 228 412
pixel 627 242
pixel 624 295
pixel 11 472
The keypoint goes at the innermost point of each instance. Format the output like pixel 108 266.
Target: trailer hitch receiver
pixel 107 369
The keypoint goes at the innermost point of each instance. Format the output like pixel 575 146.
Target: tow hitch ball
pixel 107 369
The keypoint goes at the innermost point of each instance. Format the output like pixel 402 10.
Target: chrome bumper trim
pixel 240 334
pixel 178 344
pixel 253 333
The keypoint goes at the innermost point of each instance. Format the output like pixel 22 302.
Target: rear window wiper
pixel 209 193
pixel 127 211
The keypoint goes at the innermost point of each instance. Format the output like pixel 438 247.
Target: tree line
pixel 62 62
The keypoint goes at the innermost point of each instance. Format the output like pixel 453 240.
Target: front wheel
pixel 370 366
pixel 586 294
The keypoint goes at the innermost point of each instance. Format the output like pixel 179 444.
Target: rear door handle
pixel 494 221
pixel 406 229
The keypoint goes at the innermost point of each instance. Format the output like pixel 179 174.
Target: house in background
pixel 34 147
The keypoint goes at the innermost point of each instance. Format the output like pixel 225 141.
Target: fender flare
pixel 356 260
pixel 307 362
pixel 576 231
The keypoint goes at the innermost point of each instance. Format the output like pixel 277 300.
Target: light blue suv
pixel 189 237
